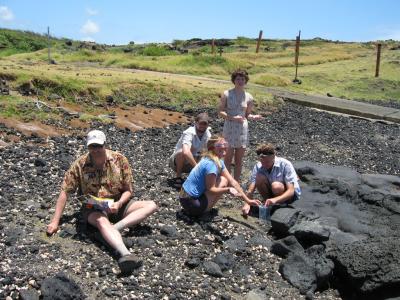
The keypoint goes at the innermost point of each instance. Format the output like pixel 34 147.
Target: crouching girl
pixel 209 180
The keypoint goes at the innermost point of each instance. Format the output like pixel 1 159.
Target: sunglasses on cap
pixel 221 145
pixel 95 146
pixel 261 155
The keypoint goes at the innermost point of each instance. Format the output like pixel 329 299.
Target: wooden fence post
pixel 259 41
pixel 296 57
pixel 378 59
pixel 48 44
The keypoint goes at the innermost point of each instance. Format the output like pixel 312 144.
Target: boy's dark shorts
pixel 193 206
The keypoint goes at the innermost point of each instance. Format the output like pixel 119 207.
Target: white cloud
pixel 88 39
pixel 91 12
pixel 90 27
pixel 6 14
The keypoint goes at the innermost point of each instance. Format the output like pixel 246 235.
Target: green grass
pixel 90 118
pixel 18 107
pixel 155 50
pixel 87 76
pixel 14 41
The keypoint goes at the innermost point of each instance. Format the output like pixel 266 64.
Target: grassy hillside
pixel 86 73
pixel 14 41
pixel 342 69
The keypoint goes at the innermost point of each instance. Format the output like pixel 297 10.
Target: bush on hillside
pixel 155 50
pixel 22 41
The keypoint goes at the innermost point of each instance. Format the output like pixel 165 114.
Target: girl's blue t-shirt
pixel 195 184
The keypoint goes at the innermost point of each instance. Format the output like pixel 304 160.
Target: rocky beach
pixel 341 239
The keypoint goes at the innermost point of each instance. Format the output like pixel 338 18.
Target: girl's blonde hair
pixel 210 153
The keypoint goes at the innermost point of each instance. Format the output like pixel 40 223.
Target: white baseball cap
pixel 96 137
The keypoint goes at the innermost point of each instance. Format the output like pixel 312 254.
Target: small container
pixel 264 213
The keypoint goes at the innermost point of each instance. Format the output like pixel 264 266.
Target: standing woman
pixel 209 180
pixel 235 107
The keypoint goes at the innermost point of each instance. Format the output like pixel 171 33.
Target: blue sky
pixel 119 22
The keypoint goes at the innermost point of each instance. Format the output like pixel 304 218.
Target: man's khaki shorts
pixel 114 218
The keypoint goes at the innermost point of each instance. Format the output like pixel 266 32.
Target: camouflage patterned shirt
pixel 109 182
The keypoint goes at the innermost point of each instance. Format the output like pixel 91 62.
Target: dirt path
pixel 333 104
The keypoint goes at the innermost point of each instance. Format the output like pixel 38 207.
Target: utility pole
pixel 48 44
pixel 213 47
pixel 296 57
pixel 378 59
pixel 259 41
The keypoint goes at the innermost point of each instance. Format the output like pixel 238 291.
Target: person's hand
pixel 52 228
pixel 269 202
pixel 255 117
pixel 114 207
pixel 233 191
pixel 245 210
pixel 238 118
pixel 254 202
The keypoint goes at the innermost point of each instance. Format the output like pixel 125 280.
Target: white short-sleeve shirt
pixel 190 138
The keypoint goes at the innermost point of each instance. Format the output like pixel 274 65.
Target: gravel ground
pixel 179 253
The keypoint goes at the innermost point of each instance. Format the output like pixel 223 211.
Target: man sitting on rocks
pixel 105 174
pixel 189 147
pixel 274 177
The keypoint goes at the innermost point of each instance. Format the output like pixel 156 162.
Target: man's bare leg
pixel 109 233
pixel 179 163
pixel 277 188
pixel 136 213
pixel 263 186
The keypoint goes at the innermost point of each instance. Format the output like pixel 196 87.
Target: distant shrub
pixel 155 50
pixel 203 61
pixel 242 41
pixel 196 53
pixel 272 80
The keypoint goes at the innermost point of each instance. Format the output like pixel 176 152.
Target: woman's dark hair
pixel 239 72
pixel 266 149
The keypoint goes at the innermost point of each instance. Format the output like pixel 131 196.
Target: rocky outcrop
pixel 344 228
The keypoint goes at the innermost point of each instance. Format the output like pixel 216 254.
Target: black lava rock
pixel 60 287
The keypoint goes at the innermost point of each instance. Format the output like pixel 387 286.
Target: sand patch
pixel 132 118
pixel 32 128
pixel 139 117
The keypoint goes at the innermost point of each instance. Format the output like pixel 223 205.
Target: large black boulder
pixel 283 219
pixel 310 232
pixel 60 287
pixel 308 271
pixel 285 246
pixel 299 270
pixel 369 265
